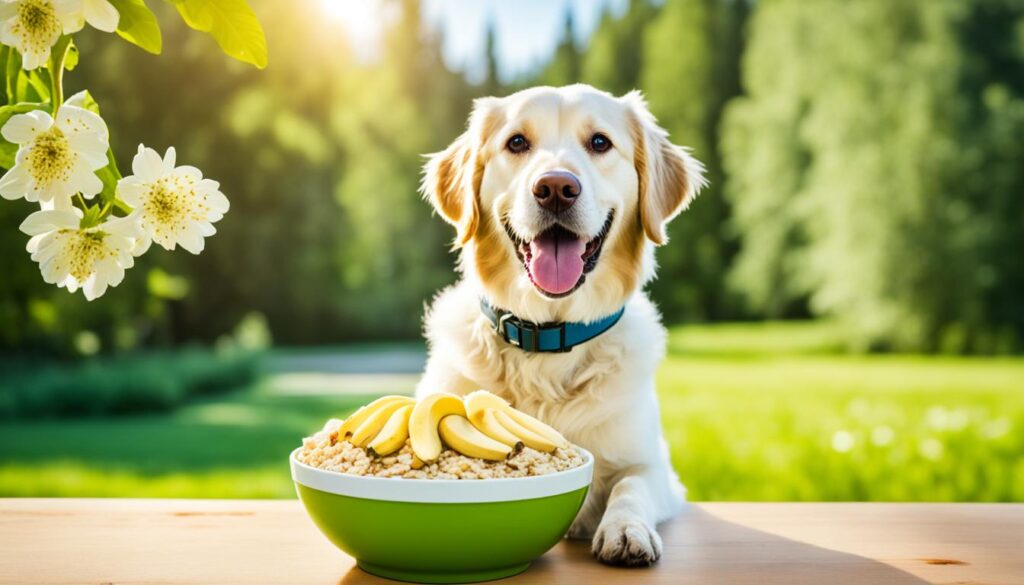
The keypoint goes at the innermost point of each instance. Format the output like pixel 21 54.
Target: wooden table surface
pixel 95 541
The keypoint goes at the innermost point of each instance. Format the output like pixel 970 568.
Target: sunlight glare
pixel 362 20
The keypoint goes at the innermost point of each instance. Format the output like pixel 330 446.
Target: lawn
pixel 752 412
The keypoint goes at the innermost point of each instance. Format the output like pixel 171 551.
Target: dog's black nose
pixel 556 191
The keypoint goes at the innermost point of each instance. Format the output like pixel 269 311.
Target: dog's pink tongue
pixel 556 261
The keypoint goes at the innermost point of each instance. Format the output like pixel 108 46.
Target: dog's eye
pixel 517 144
pixel 599 143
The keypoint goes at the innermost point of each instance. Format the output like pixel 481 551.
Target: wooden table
pixel 224 541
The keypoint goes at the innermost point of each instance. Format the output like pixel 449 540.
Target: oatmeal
pixel 441 436
pixel 344 457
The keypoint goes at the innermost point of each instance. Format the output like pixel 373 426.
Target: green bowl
pixel 442 530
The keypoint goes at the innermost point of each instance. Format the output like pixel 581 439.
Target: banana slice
pixel 424 420
pixel 489 425
pixel 461 435
pixel 374 423
pixel 359 417
pixel 525 427
pixel 481 400
pixel 537 427
pixel 393 434
pixel 528 437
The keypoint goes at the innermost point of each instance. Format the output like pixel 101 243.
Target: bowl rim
pixel 443 491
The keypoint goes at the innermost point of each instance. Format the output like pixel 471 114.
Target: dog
pixel 558 197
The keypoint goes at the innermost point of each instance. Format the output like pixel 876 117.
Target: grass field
pixel 752 412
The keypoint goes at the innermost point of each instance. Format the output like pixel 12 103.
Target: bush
pixel 131 383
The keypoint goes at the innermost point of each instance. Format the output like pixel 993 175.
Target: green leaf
pixel 10 110
pixel 138 25
pixel 89 103
pixel 71 59
pixel 91 216
pixel 232 23
pixel 8 152
pixel 31 86
pixel 110 175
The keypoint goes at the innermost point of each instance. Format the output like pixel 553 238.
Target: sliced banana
pixel 489 425
pixel 534 433
pixel 359 417
pixel 460 434
pixel 393 434
pixel 425 418
pixel 537 427
pixel 374 423
pixel 481 425
pixel 480 401
pixel 528 437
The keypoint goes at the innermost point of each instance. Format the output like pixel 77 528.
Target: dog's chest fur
pixel 575 390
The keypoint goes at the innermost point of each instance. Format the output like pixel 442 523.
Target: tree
pixel 492 83
pixel 614 57
pixel 854 169
pixel 690 70
pixel 564 67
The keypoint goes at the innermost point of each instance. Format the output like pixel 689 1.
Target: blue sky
pixel 526 31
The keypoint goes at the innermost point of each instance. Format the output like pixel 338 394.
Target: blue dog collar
pixel 545 337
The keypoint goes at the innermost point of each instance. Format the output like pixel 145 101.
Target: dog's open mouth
pixel 558 260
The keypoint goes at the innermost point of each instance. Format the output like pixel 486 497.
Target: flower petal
pixel 72 119
pixel 141 245
pixel 85 180
pixel 70 14
pixel 170 158
pixel 192 240
pixel 147 164
pixel 61 203
pixel 127 226
pixel 101 15
pixel 90 147
pixel 22 128
pixel 94 287
pixel 32 59
pixel 77 100
pixel 15 183
pixel 218 202
pixel 49 220
pixel 130 190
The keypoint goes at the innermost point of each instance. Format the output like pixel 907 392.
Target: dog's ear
pixel 451 178
pixel 668 176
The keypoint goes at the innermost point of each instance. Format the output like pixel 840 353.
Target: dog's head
pixel 558 196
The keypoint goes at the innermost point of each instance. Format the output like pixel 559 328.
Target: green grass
pixel 752 412
pixel 228 446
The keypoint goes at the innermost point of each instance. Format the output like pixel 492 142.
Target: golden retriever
pixel 559 196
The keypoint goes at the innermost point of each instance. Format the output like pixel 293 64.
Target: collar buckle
pixel 522 325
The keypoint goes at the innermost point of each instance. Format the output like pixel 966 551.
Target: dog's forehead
pixel 549 107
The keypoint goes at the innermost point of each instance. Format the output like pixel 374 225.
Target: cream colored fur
pixel 601 395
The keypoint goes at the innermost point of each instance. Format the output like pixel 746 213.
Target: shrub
pixel 131 383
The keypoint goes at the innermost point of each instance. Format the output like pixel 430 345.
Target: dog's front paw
pixel 626 541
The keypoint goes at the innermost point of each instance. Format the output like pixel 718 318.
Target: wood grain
pixel 84 541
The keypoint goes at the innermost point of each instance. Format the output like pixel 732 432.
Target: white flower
pixel 33 26
pixel 73 257
pixel 100 14
pixel 176 205
pixel 55 159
